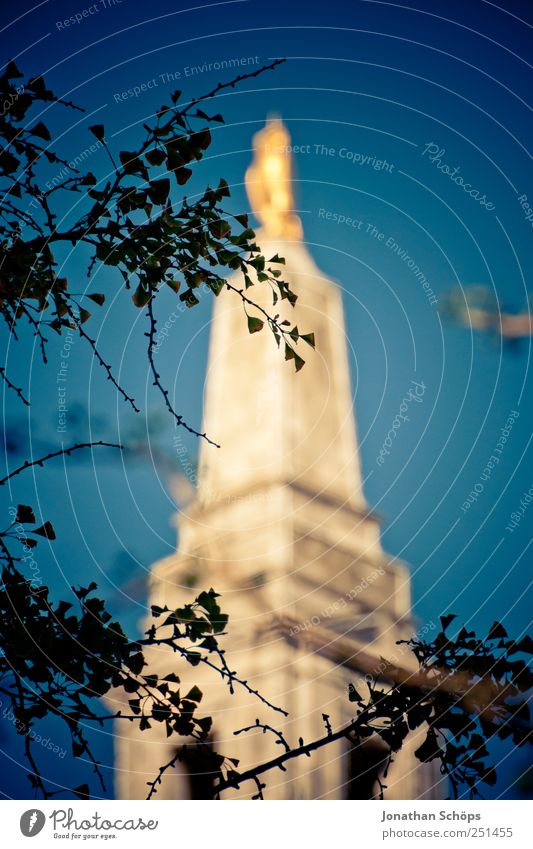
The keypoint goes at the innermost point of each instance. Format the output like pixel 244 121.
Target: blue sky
pixel 363 80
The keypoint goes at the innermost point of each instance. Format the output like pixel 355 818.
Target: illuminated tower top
pixel 269 182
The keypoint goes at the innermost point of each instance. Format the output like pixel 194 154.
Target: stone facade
pixel 279 526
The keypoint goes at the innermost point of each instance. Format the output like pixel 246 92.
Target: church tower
pixel 280 527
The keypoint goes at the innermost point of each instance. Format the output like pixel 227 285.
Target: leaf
pixel 12 71
pixel 45 530
pixel 207 601
pixel 172 677
pixel 182 175
pixel 98 131
pixel 309 338
pixel 205 723
pixel 219 228
pixel 155 156
pixel 77 748
pixel 429 749
pixel 189 298
pixel 353 695
pixel 140 297
pixel 489 777
pixel 202 138
pixel 476 744
pixel 41 131
pixel 298 362
pixel 8 162
pixel 131 162
pixel 446 621
pixel 37 85
pixel 194 694
pixel 174 285
pixel 136 663
pixel 88 179
pixel 255 324
pixel 62 608
pixel 418 714
pixel 24 514
pixel 497 631
pixel 82 792
pixel 525 645
pixel 223 188
pixel 158 191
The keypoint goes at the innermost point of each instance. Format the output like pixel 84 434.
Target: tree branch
pixel 62 452
pixel 231 84
pixel 13 387
pixel 180 421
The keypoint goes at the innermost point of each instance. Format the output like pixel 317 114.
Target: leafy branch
pixel 55 661
pixel 185 622
pixel 486 700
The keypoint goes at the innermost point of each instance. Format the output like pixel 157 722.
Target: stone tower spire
pixel 279 526
pixel 277 426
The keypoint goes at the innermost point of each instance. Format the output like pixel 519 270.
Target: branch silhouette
pixel 60 453
pixel 128 221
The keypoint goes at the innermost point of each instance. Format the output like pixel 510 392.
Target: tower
pixel 280 527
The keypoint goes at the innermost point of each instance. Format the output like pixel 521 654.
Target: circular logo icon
pixel 32 822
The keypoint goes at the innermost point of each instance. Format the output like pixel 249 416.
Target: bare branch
pixel 13 387
pixel 231 84
pixel 101 360
pixel 60 453
pixel 180 421
pixel 265 729
pixel 236 779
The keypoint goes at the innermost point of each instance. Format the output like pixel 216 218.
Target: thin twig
pixel 62 452
pixel 13 387
pixel 265 729
pixel 180 421
pixel 159 777
pixel 231 84
pixel 223 670
pixel 96 764
pixel 101 360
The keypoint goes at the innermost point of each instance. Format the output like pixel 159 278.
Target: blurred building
pixel 279 526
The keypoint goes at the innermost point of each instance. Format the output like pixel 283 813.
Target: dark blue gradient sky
pixel 363 79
